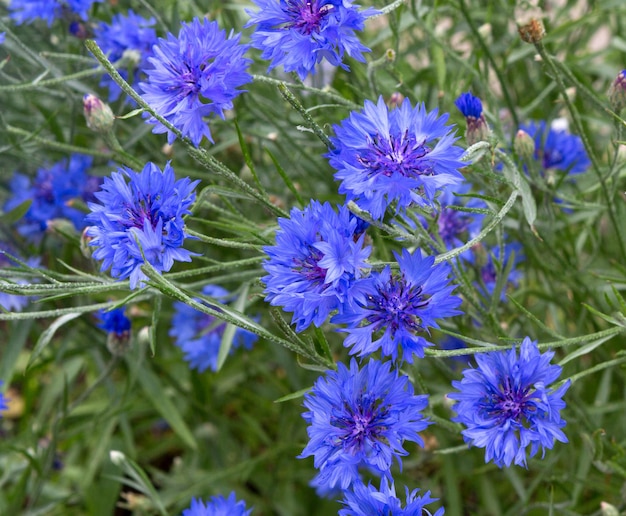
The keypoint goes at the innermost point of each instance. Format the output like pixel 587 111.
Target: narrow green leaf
pixel 229 332
pixel 293 395
pixel 131 114
pixel 156 312
pixel 164 406
pixel 16 213
pixel 287 180
pixel 48 335
pixel 247 157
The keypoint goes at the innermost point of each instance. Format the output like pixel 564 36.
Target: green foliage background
pixel 185 434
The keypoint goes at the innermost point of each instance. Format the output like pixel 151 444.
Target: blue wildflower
pixel 403 155
pixel 299 34
pixel 3 36
pixel 130 37
pixel 507 404
pixel 143 217
pixel 199 335
pixel 30 10
pixel 368 501
pixel 54 193
pixel 3 401
pixel 312 268
pixel 193 76
pixel 114 321
pixel 13 302
pixel 557 149
pixel 399 308
pixel 218 506
pixel 360 418
pixel 472 109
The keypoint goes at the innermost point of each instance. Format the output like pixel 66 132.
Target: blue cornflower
pixel 199 335
pixel 143 217
pixel 369 501
pixel 218 506
pixel 3 36
pixel 30 10
pixel 360 418
pixel 54 192
pixel 195 75
pixel 469 105
pixel 312 268
pixel 114 321
pixel 398 308
pixel 130 37
pixel 403 155
pixel 13 302
pixel 557 149
pixel 507 404
pixel 299 34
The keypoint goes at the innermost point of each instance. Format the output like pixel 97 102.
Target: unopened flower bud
pixel 117 457
pixel 472 109
pixel 608 510
pixel 533 31
pixel 395 99
pixel 98 114
pixel 524 145
pixel 85 248
pixel 617 92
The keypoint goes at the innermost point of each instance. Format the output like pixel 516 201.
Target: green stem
pixel 50 82
pixel 295 103
pixel 583 136
pixel 484 232
pixel 596 368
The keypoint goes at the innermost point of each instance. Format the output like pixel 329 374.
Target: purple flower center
pixel 188 82
pixel 395 307
pixel 309 267
pixel 306 15
pixel 365 423
pixel 137 213
pixel 509 403
pixel 396 154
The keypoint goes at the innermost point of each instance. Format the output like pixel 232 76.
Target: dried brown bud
pixel 533 31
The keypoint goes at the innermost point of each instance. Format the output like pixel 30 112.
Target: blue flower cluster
pixel 128 38
pixel 193 76
pixel 299 34
pixel 314 267
pixel 404 156
pixel 359 418
pixel 140 221
pixel 200 335
pixel 55 193
pixel 557 149
pixel 507 404
pixel 27 11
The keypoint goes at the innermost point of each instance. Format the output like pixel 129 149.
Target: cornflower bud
pixel 617 92
pixel 98 114
pixel 524 145
pixel 533 31
pixel 472 109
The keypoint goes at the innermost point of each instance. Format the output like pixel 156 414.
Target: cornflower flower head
pixel 313 268
pixel 364 500
pixel 140 220
pixel 27 11
pixel 131 38
pixel 507 405
pixel 193 76
pixel 54 192
pixel 360 418
pixel 399 308
pixel 404 155
pixel 299 34
pixel 3 36
pixel 557 149
pixel 218 506
pixel 13 302
pixel 118 327
pixel 472 109
pixel 199 335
